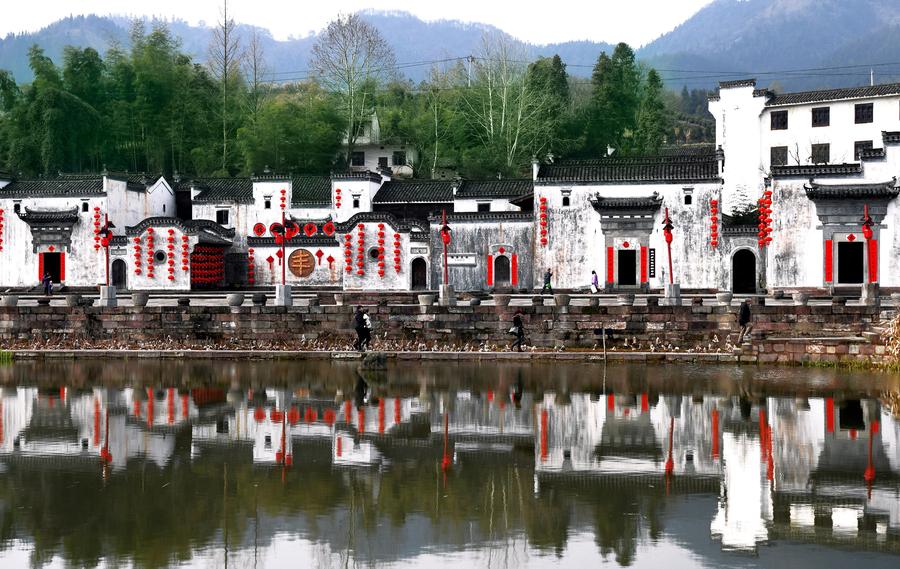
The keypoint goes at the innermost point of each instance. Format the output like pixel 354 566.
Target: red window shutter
pixel 490 270
pixel 515 269
pixel 829 260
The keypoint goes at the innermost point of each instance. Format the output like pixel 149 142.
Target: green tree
pixel 298 132
pixel 612 113
pixel 653 120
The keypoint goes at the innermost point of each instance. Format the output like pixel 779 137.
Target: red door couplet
pixel 829 261
pixel 643 264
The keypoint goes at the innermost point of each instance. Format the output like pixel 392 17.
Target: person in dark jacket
pixel 47 281
pixel 744 318
pixel 366 331
pixel 518 330
pixel 547 277
pixel 359 324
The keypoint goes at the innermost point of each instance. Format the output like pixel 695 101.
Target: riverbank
pixel 700 329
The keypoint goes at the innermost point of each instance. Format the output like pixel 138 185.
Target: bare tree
pixel 224 63
pixel 351 59
pixel 255 70
pixel 503 108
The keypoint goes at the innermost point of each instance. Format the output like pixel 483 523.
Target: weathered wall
pixel 475 236
pixel 83 264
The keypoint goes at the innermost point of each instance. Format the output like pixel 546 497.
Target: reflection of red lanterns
pixel 259 414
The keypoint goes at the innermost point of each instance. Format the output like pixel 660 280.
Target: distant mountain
pixel 412 39
pixel 740 38
pixel 725 40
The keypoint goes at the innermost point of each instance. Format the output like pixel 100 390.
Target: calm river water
pixel 293 464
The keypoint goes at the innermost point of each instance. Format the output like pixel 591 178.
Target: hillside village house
pixel 799 191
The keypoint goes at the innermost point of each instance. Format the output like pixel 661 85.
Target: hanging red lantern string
pixel 381 250
pixel 397 264
pixel 171 254
pixel 283 199
pixel 207 266
pixel 1 229
pixel 543 220
pixel 251 268
pixel 138 255
pixel 337 198
pixel 765 219
pixel 348 253
pixel 185 253
pixel 714 222
pixel 361 249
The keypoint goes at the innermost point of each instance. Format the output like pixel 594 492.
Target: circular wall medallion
pixel 301 263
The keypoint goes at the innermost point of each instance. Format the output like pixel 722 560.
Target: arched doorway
pixel 119 274
pixel 419 274
pixel 743 272
pixel 501 271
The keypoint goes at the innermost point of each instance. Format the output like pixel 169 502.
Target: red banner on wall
pixel 490 270
pixel 610 265
pixel 873 260
pixel 829 261
pixel 514 269
pixel 643 265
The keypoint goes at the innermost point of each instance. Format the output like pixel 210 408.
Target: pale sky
pixel 634 21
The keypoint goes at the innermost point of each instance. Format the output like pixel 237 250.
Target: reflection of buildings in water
pixel 625 434
pixel 67 424
pixel 784 464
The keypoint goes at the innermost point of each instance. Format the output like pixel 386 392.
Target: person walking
pixel 547 277
pixel 595 282
pixel 47 281
pixel 744 318
pixel 367 330
pixel 359 324
pixel 518 330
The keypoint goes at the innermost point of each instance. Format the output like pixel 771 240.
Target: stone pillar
pixel 672 295
pixel 447 296
pixel 870 294
pixel 108 296
pixel 283 295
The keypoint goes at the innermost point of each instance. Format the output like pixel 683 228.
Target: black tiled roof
pixel 602 204
pixel 834 94
pixel 737 83
pixel 645 170
pixel 415 191
pixel 872 154
pixel 49 216
pixel 888 190
pixel 350 176
pixel 81 186
pixel 506 189
pixel 811 170
pixel 890 137
pixel 224 190
pixel 310 190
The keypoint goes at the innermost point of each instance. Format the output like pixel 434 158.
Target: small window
pixel 864 113
pixel 484 207
pixel 159 257
pixel 399 158
pixel 373 253
pixel 382 162
pixel 358 159
pixel 779 120
pixel 355 203
pixel 821 116
pixel 17 208
pixel 778 156
pixel 566 201
pixel 821 153
pixel 267 204
pixel 222 217
pixel 164 208
pixel 688 199
pixel 84 207
pixel 859 146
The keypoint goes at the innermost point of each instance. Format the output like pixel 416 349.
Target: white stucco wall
pixel 471 205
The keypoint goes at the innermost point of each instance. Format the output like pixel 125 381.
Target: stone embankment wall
pixel 782 333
